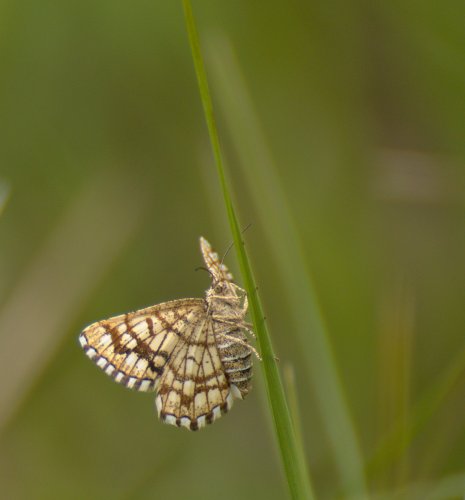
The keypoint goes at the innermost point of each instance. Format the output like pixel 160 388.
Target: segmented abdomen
pixel 237 361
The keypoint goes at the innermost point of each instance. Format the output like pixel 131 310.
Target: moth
pixel 193 353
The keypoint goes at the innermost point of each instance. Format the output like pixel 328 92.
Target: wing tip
pixel 82 340
pixel 131 382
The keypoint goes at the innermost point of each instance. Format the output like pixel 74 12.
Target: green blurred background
pixel 106 157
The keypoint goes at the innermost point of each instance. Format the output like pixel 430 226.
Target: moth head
pixel 222 292
pixel 220 287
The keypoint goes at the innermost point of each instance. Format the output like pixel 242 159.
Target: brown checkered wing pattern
pixel 215 266
pixel 134 348
pixel 194 389
pixel 170 348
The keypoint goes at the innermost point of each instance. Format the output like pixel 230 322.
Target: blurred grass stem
pixel 47 298
pixel 4 195
pixel 279 225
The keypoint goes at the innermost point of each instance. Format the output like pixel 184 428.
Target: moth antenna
pixel 202 268
pixel 232 243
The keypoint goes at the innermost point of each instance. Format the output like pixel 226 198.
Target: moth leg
pixel 233 322
pixel 248 328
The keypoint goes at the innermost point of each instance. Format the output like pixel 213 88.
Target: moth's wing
pixel 194 389
pixel 214 265
pixel 134 348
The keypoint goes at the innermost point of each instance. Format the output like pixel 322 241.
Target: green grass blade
pixel 291 389
pixel 4 195
pixel 291 450
pixel 278 223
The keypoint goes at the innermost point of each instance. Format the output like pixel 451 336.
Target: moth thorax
pixel 237 360
pixel 223 297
